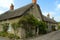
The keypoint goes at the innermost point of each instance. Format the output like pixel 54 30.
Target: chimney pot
pixel 11 7
pixel 53 18
pixel 48 15
pixel 34 1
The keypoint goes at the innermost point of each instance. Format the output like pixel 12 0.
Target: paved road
pixel 3 38
pixel 50 36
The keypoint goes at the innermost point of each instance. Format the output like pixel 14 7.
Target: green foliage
pixel 29 34
pixel 58 27
pixel 3 34
pixel 11 36
pixel 53 28
pixel 28 22
pixel 15 26
pixel 42 27
pixel 5 27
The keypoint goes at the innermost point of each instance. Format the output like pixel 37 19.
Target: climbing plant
pixel 5 27
pixel 28 22
pixel 42 27
pixel 15 26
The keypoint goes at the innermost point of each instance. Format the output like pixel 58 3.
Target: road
pixel 4 38
pixel 50 36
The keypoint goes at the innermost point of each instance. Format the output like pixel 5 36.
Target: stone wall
pixel 35 12
pixel 21 32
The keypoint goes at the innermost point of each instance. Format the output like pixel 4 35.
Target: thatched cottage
pixel 12 16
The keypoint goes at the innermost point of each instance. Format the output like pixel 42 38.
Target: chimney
pixel 11 7
pixel 53 18
pixel 34 1
pixel 48 15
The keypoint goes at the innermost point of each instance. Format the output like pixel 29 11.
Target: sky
pixel 47 6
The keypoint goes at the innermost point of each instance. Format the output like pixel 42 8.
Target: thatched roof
pixel 20 11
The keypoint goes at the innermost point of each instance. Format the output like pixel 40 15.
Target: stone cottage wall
pixel 21 32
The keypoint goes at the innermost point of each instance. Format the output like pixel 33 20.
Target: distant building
pixel 12 16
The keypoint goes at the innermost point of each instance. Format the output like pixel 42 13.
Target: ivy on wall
pixel 29 23
pixel 5 27
pixel 42 27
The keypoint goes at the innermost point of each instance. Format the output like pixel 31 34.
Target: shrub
pixel 42 27
pixel 5 27
pixel 11 36
pixel 3 34
pixel 58 27
pixel 29 34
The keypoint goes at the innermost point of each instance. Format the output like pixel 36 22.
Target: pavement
pixel 50 36
pixel 4 38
